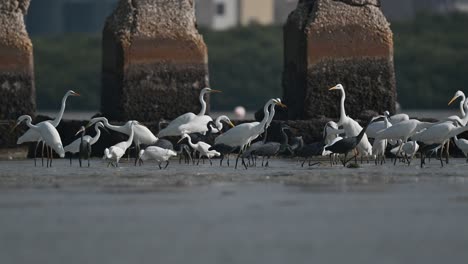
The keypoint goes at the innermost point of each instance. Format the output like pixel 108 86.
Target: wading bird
pixel 32 136
pixel 48 134
pixel 346 145
pixel 116 152
pixel 189 122
pixel 142 135
pixel 243 134
pixel 202 148
pixel 158 154
pixel 351 127
pixel 84 143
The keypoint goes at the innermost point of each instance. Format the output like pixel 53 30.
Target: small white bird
pixel 202 148
pixel 158 154
pixel 116 152
pixel 74 147
pixel 48 134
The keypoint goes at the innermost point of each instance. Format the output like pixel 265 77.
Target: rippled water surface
pixel 187 214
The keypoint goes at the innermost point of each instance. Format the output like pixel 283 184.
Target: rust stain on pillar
pixel 338 41
pixel 154 60
pixel 17 92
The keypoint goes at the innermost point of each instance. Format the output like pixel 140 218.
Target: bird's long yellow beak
pixel 231 124
pixel 75 94
pixel 81 130
pixel 215 91
pixel 180 140
pixel 281 105
pixel 453 99
pixel 333 88
pixel 13 128
pixel 89 124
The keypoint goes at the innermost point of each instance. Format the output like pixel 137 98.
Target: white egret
pixel 439 134
pixel 243 134
pixel 462 144
pixel 158 154
pixel 331 132
pixel 48 133
pixel 189 122
pixel 116 152
pixel 74 147
pixel 142 135
pixel 402 131
pixel 463 108
pixel 350 126
pixel 202 148
pixel 397 118
pixel 32 135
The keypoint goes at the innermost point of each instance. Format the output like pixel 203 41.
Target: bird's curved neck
pixel 342 106
pixel 203 104
pixel 190 143
pixel 218 124
pixel 96 137
pixel 271 115
pixel 30 125
pixel 266 115
pixel 458 130
pixel 284 140
pixel 130 138
pixel 120 129
pixel 57 120
pixel 462 106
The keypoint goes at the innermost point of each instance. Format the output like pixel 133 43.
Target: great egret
pixel 189 122
pixel 202 148
pixel 32 136
pixel 462 144
pixel 158 154
pixel 48 133
pixel 462 102
pixel 84 143
pixel 243 134
pixel 348 144
pixel 118 150
pixel 331 132
pixel 142 135
pixel 351 127
pixel 463 106
pixel 439 134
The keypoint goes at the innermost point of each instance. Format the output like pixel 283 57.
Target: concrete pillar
pixel 337 41
pixel 17 93
pixel 154 60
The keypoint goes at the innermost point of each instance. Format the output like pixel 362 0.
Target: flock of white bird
pixel 406 136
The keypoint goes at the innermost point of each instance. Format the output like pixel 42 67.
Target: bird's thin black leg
pixel 42 156
pixel 35 153
pixel 167 164
pixel 79 159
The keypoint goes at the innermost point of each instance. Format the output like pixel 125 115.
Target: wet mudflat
pixel 208 214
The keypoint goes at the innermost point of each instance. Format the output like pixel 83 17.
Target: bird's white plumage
pixel 142 135
pixel 189 122
pixel 156 153
pixel 350 126
pixel 48 133
pixel 118 150
pixel 243 134
pixel 462 144
pixel 74 147
pixel 202 148
pixel 32 135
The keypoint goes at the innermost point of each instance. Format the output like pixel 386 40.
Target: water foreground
pixel 281 214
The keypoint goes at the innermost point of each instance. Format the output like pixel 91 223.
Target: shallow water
pixel 282 214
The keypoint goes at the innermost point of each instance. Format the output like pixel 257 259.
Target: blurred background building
pixel 88 16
